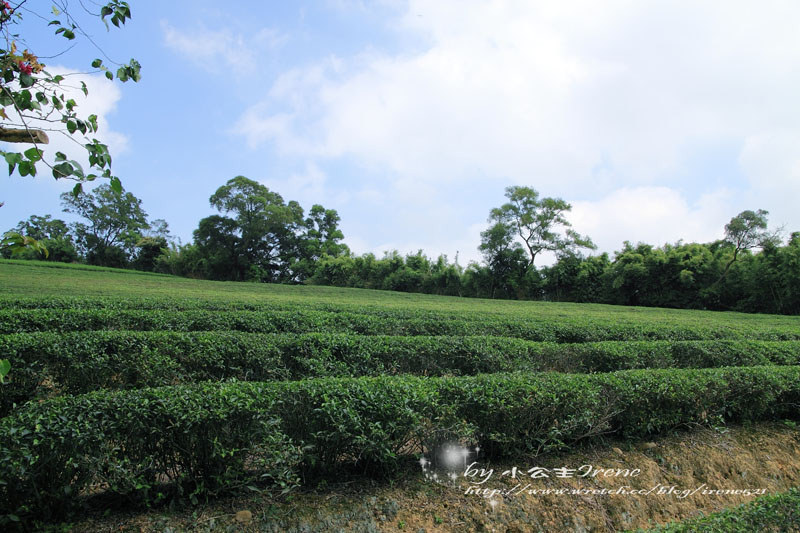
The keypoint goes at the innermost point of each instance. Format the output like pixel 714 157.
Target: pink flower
pixel 25 68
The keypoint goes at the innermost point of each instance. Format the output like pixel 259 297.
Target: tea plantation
pixel 153 388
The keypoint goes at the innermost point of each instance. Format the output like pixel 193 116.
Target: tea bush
pixel 210 437
pixel 49 363
pixel 575 329
pixel 772 512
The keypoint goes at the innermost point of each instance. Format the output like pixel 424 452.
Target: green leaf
pixel 13 159
pixel 5 368
pixel 26 80
pixel 116 185
pixel 66 32
pixel 34 154
pixel 71 126
pixel 77 170
pixel 97 63
pixel 77 189
pixel 131 71
pixel 109 75
pixel 23 98
pixel 26 168
pixel 63 170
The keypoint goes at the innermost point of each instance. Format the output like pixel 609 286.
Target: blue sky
pixel 658 121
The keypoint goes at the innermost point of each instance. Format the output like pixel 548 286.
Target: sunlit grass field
pixel 29 282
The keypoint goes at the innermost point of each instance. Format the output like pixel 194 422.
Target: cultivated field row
pixel 574 328
pixel 254 297
pixel 53 363
pixel 204 438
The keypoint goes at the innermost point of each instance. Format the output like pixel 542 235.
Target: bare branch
pixel 23 136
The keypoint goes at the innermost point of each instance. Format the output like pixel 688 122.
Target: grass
pixel 23 282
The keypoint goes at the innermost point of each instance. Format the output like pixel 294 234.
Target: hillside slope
pixel 131 390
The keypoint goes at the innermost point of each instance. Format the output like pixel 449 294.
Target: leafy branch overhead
pixel 35 101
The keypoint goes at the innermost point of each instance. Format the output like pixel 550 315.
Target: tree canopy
pixel 259 237
pixel 746 231
pixel 51 233
pixel 538 222
pixel 115 222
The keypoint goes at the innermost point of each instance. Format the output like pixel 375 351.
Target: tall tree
pixel 539 223
pixel 217 241
pixel 155 242
pixel 319 236
pixel 323 233
pixel 505 259
pixel 746 231
pixel 44 227
pixel 53 234
pixel 258 239
pixel 116 221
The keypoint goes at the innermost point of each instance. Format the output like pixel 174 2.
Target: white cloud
pixel 102 101
pixel 308 188
pixel 655 215
pixel 771 162
pixel 439 241
pixel 577 99
pixel 221 49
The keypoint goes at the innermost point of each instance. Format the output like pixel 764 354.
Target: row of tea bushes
pixel 49 363
pixel 269 297
pixel 574 329
pixel 771 512
pixel 209 437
